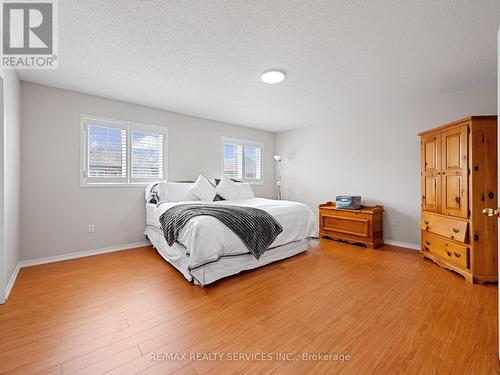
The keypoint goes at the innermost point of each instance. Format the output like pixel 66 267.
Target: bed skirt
pixel 224 266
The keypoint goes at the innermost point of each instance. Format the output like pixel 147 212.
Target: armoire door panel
pixel 431 193
pixel 452 158
pixel 453 192
pixel 431 170
pixel 455 171
pixel 431 154
pixel 430 190
pixel 454 144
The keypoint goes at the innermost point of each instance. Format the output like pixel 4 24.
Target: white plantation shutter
pixel 253 163
pixel 106 152
pixel 119 152
pixel 242 160
pixel 147 155
pixel 233 160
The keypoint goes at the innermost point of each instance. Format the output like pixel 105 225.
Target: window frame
pixel 243 143
pixel 129 127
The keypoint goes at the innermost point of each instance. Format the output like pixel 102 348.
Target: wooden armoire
pixel 458 181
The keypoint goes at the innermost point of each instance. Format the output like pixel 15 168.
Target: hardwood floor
pixel 108 313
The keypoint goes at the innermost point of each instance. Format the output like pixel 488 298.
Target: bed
pixel 206 250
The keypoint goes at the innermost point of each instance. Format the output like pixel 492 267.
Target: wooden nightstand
pixel 362 226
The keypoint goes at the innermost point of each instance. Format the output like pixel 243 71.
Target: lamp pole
pixel 278 180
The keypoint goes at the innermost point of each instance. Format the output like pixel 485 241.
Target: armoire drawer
pixel 458 254
pixel 451 228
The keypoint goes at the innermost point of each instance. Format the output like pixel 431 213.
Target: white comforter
pixel 207 239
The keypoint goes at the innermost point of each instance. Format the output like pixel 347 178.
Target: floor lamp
pixel 278 158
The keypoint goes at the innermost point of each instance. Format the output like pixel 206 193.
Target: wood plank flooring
pixel 388 309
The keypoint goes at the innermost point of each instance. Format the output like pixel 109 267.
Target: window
pixel 242 160
pixel 119 152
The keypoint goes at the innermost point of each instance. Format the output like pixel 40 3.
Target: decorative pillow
pixel 215 181
pixel 246 191
pixel 176 192
pixel 228 189
pixel 152 193
pixel 203 189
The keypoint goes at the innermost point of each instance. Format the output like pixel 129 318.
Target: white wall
pixel 11 173
pixel 375 155
pixel 56 211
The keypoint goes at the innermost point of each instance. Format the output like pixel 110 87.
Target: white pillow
pixel 246 191
pixel 176 192
pixel 203 189
pixel 227 189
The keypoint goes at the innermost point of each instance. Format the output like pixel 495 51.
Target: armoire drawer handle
pixel 426 222
pixel 428 242
pixel 456 230
pixel 458 255
pixel 426 248
pixel 449 254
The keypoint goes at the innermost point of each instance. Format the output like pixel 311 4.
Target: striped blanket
pixel 256 228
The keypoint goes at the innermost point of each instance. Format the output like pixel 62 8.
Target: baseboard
pixel 82 254
pixel 407 245
pixel 12 280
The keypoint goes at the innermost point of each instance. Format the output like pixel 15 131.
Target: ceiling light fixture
pixel 273 76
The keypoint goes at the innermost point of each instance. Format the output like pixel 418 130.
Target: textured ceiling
pixel 204 58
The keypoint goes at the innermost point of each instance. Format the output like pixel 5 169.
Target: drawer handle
pixel 456 230
pixel 426 248
pixel 457 199
pixel 458 255
pixel 426 222
pixel 449 254
pixel 428 242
